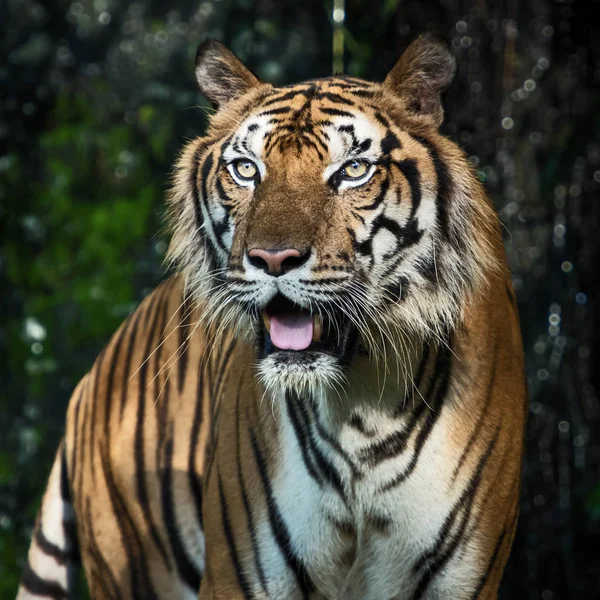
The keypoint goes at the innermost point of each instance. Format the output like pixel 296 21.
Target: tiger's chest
pixel 368 514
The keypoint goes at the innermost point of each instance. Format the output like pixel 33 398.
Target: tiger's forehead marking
pixel 330 118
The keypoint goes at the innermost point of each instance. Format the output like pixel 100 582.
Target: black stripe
pixel 382 222
pixel 365 247
pixel 342 84
pixel 440 385
pixel 222 194
pixel 34 584
pixel 97 585
pixel 184 325
pixel 361 93
pixel 194 187
pixel 139 450
pixel 223 366
pixel 385 186
pixel 379 117
pixel 511 297
pixel 390 142
pixel 409 235
pixel 323 123
pixel 206 167
pixel 335 112
pixel 393 444
pixel 315 137
pixel 357 422
pixel 100 562
pixel 82 450
pixel 406 236
pixel 76 433
pixel 218 230
pixel 490 566
pixel 334 98
pixel 480 420
pixel 223 226
pixel 127 368
pixel 426 267
pixel 141 586
pixel 49 548
pixel 205 172
pixel 92 437
pixel 364 145
pixel 161 388
pixel 307 141
pixel 193 477
pixel 239 572
pixel 278 526
pixel 276 111
pixel 115 359
pixel 325 466
pixel 444 191
pixel 287 96
pixel 245 500
pixel 65 490
pixel 215 385
pixel 69 526
pixel 436 558
pixel 409 169
pixel 302 439
pixel 333 442
pixel 185 567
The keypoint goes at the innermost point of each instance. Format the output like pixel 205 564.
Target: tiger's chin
pixel 302 372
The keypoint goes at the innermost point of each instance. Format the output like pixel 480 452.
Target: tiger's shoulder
pixel 161 370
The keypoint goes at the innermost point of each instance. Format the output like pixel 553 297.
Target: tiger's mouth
pixel 295 334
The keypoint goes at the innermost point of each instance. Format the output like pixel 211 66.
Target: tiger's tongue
pixel 291 332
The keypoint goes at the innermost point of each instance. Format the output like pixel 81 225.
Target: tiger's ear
pixel 220 74
pixel 425 70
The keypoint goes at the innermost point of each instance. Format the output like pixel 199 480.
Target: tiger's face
pixel 329 219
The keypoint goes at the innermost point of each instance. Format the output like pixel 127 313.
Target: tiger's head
pixel 329 218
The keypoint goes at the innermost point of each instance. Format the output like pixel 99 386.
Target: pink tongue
pixel 291 332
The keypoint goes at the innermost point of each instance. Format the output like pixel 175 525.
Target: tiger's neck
pixel 382 384
pixel 377 399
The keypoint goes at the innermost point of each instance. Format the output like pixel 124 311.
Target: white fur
pixel 54 512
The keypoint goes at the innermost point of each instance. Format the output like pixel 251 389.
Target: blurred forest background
pixel 96 98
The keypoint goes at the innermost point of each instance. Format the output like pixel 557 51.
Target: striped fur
pixel 197 457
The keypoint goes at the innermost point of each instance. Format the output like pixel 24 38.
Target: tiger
pixel 326 399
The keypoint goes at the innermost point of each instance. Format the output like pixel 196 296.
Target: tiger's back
pixel 328 401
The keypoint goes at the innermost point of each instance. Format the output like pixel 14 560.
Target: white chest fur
pixel 370 507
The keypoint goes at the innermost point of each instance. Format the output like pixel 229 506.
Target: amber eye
pixel 245 169
pixel 355 169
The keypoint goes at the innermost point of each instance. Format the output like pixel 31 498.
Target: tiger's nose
pixel 277 262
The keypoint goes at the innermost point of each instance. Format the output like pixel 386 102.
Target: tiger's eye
pixel 355 169
pixel 245 169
